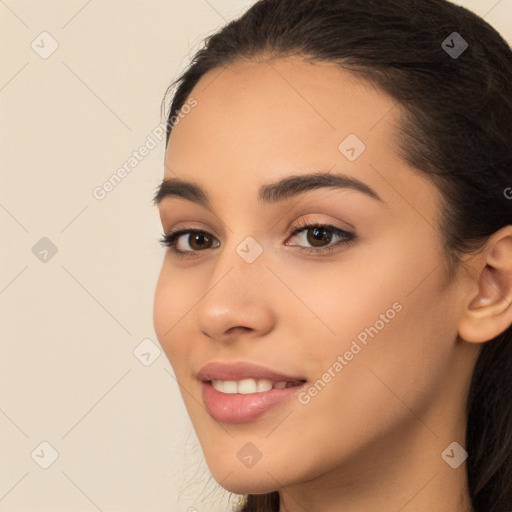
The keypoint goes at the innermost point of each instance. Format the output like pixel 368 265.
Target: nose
pixel 238 303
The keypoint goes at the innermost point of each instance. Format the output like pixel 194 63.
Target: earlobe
pixel 489 312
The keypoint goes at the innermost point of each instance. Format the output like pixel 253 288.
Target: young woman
pixel 336 297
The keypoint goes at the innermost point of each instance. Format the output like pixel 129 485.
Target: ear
pixel 489 311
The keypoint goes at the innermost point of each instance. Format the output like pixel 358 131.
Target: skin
pixel 372 439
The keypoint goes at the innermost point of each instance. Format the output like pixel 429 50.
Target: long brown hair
pixel 456 128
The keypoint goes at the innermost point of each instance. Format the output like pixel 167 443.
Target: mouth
pixel 242 392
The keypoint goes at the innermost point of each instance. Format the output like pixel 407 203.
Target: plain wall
pixel 73 322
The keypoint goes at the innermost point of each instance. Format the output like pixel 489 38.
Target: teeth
pixel 263 385
pixel 247 386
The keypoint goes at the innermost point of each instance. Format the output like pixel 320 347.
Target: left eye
pixel 319 236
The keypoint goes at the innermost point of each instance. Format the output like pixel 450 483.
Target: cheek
pixel 392 364
pixel 173 301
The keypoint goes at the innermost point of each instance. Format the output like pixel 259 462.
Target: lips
pixel 243 370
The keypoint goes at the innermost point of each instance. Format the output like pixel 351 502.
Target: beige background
pixel 70 323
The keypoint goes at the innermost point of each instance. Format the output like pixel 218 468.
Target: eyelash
pixel 170 239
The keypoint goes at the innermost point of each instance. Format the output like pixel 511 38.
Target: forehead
pixel 280 106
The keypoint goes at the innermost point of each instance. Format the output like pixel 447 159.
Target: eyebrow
pixel 271 193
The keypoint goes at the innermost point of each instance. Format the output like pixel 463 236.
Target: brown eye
pixel 318 236
pixel 199 241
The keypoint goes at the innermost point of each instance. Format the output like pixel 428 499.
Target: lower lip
pixel 237 408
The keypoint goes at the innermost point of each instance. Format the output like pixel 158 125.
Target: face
pixel 357 306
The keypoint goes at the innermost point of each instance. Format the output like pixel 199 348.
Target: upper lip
pixel 242 370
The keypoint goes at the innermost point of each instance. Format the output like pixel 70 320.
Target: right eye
pixel 197 240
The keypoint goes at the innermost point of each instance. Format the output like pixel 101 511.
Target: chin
pixel 246 481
